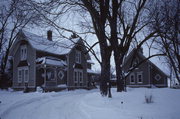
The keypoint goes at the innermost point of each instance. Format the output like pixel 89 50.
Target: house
pixel 53 65
pixel 145 75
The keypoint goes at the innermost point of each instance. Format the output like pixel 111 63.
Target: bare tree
pixel 14 15
pixel 167 23
pixel 116 23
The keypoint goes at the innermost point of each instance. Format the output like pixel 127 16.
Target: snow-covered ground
pixel 83 104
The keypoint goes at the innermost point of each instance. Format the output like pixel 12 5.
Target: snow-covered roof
pixel 55 47
pixel 50 61
pixel 90 61
pixel 91 71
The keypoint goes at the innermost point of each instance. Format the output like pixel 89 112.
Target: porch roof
pixel 51 61
pixel 90 71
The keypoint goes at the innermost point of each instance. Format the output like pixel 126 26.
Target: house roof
pixel 142 57
pixel 55 47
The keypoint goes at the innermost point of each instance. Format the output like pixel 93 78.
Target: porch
pixel 50 73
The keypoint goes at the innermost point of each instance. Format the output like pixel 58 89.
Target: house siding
pixel 162 82
pixel 36 70
pixel 31 65
pixel 148 70
pixel 145 75
pixel 71 64
pixel 39 71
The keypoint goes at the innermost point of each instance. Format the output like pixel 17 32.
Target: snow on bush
pixel 149 98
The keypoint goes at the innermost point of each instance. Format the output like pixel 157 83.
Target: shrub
pixel 149 98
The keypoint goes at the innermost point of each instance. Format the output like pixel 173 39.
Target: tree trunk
pixel 119 73
pixel 105 72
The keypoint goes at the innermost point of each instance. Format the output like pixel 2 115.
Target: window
pixel 26 72
pixel 78 77
pixel 157 77
pixel 132 79
pixel 139 77
pixel 78 56
pixel 19 75
pixel 23 52
pixel 23 74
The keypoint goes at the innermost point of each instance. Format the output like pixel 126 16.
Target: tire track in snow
pixel 68 106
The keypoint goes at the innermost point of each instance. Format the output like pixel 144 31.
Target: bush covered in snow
pixel 149 98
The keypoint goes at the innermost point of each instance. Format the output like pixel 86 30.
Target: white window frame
pixel 78 77
pixel 24 77
pixel 140 73
pixel 78 56
pixel 131 80
pixel 23 52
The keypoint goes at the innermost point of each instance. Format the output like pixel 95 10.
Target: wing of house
pixel 38 61
pixel 145 75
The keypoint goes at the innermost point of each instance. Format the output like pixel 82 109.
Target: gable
pixel 42 44
pixel 132 59
pixel 133 56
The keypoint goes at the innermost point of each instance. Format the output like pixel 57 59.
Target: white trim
pixel 23 86
pixel 139 74
pixel 130 78
pixel 139 85
pixel 156 77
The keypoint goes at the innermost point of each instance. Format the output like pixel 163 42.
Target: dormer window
pixel 135 62
pixel 78 56
pixel 23 52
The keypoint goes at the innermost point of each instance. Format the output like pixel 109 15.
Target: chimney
pixel 49 35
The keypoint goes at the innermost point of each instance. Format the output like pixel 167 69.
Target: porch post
pixel 45 76
pixel 55 75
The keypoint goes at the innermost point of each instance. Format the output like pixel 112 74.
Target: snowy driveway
pixel 83 104
pixel 45 106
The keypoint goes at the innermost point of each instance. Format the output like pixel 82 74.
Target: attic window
pixel 157 77
pixel 78 56
pixel 23 52
pixel 135 62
